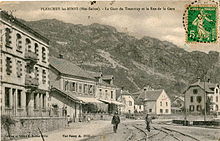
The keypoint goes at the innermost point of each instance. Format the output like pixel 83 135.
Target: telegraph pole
pixel 204 100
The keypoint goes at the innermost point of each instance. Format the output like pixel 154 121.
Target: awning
pixel 105 101
pixel 89 100
pixel 116 103
pixel 111 102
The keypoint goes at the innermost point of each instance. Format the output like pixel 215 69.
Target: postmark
pixel 201 23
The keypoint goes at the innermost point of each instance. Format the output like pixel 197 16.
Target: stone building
pixel 72 90
pixel 106 91
pixel 196 94
pixel 154 101
pixel 24 69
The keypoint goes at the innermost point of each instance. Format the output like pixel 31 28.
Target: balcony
pixel 30 57
pixel 31 82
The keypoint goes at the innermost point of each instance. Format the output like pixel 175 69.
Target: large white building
pixel 154 101
pixel 128 102
pixel 24 69
pixel 196 94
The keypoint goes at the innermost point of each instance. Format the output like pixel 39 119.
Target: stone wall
pixel 28 127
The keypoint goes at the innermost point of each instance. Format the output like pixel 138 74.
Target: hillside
pixel 134 62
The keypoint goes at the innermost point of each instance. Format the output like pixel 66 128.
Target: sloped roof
pixel 66 67
pixel 95 74
pixel 107 77
pixel 67 94
pixel 148 95
pixel 209 87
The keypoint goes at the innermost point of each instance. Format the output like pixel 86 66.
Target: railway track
pixel 176 135
pixel 160 134
pixel 137 135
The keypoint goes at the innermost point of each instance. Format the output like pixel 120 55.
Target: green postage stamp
pixel 202 23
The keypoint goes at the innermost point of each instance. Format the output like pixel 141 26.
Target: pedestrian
pixel 115 121
pixel 148 121
pixel 68 120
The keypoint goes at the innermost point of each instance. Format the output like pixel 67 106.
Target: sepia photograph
pixel 146 70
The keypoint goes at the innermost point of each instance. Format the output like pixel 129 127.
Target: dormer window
pixel 195 91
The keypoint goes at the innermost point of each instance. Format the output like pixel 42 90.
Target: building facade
pixel 154 101
pixel 77 86
pixel 106 91
pixel 199 93
pixel 128 102
pixel 24 69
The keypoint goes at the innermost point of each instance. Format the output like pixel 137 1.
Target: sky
pixel 161 24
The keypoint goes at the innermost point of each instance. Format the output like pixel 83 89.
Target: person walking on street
pixel 115 121
pixel 148 121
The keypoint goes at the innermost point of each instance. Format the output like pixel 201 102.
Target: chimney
pixel 209 81
pixel 198 79
pixel 61 56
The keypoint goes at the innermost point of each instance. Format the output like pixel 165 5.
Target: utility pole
pixel 204 100
pixel 185 110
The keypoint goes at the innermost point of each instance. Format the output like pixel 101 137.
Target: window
pixel 216 107
pixel 191 99
pixel 161 110
pixel 216 90
pixel 140 107
pixel 19 98
pixel 100 93
pixel 8 65
pixel 161 103
pixel 198 99
pixel 198 107
pixel 91 89
pixel 130 103
pixel 8 37
pixel 85 88
pixel 191 107
pixel 35 101
pixel 150 110
pixel 211 98
pixel 36 71
pixel 80 88
pixel 66 85
pixel 36 48
pixel 7 97
pixel 111 94
pixel 44 101
pixel 19 69
pixel 43 54
pixel 73 86
pixel 195 91
pixel 216 98
pixel 18 42
pixel 167 111
pixel 106 94
pixel 28 45
pixel 44 77
pixel 166 103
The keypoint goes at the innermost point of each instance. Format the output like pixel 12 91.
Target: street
pixel 129 130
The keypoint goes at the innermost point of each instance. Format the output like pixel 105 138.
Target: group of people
pixel 116 121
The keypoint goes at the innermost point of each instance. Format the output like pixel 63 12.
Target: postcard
pixel 110 70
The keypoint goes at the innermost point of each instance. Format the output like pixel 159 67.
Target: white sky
pixel 164 25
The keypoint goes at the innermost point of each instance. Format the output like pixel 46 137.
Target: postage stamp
pixel 202 23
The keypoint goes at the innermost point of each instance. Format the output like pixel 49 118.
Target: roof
pixel 149 95
pixel 66 67
pixel 89 99
pixel 209 87
pixel 125 93
pixel 4 15
pixel 107 77
pixel 65 93
pixel 95 74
